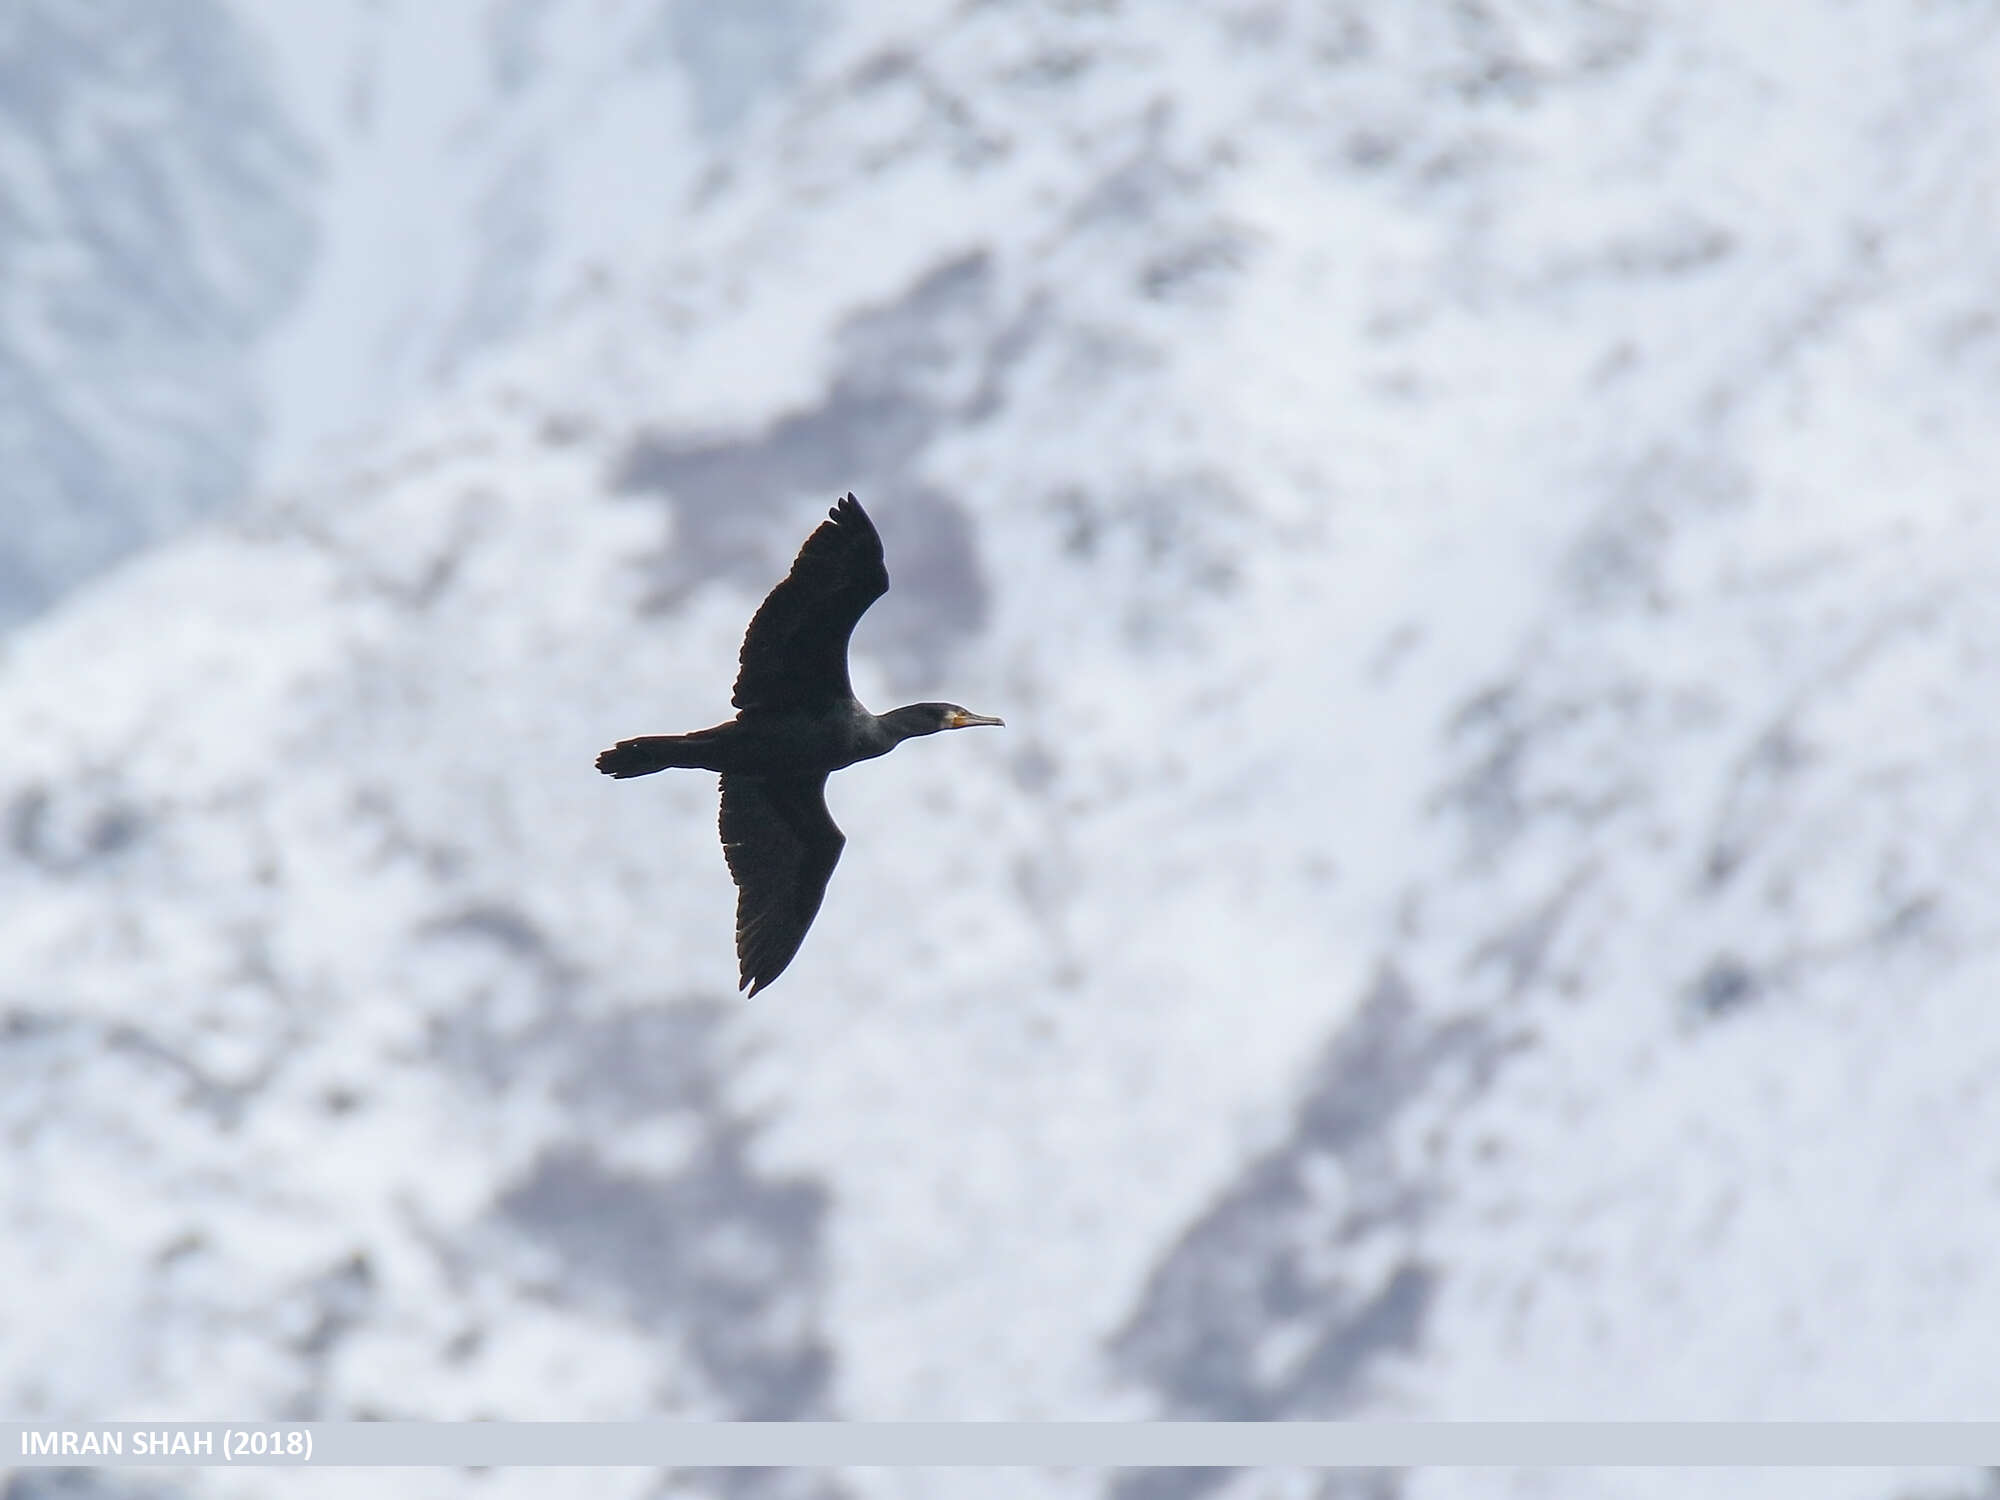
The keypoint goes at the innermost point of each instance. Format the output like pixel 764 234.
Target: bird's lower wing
pixel 782 845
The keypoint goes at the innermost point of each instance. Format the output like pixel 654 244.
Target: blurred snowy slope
pixel 1478 524
pixel 237 233
pixel 153 222
pixel 482 161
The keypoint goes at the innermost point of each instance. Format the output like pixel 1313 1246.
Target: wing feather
pixel 782 845
pixel 795 651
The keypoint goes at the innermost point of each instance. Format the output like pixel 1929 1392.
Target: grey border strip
pixel 1031 1444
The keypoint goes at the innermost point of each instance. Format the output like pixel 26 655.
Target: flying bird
pixel 797 721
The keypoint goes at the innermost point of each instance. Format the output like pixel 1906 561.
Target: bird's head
pixel 929 718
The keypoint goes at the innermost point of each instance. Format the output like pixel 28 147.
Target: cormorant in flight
pixel 797 720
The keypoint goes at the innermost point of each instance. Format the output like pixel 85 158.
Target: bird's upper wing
pixel 782 845
pixel 795 651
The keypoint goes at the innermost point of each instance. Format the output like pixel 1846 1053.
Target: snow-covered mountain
pixel 154 220
pixel 239 233
pixel 485 161
pixel 1478 520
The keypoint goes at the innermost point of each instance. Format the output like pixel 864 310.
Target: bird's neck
pixel 907 723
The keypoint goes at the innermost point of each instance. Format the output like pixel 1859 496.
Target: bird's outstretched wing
pixel 795 651
pixel 782 845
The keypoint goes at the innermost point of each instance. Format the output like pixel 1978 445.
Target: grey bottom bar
pixel 1005 1444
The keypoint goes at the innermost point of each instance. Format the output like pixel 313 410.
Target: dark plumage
pixel 797 721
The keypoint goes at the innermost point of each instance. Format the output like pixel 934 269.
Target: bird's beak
pixel 966 721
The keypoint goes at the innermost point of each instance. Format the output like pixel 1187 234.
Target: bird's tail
pixel 650 753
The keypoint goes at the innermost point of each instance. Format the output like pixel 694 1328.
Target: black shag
pixel 797 721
